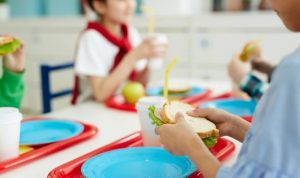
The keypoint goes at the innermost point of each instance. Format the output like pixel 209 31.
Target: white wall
pixel 204 43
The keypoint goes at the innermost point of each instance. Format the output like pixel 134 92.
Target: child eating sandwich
pixel 11 82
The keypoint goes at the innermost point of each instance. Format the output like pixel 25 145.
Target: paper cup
pixel 10 122
pixel 147 128
pixel 156 63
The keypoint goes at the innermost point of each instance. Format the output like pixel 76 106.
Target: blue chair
pixel 47 95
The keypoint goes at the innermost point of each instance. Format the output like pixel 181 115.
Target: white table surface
pixel 112 125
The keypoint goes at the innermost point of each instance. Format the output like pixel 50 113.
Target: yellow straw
pixel 167 71
pixel 25 149
pixel 151 14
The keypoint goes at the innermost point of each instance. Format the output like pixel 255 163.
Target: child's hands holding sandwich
pixel 12 51
pixel 15 62
pixel 182 136
pixel 228 124
pixel 249 58
pixel 177 138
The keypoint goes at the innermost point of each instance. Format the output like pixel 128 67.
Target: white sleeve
pixel 90 57
pixel 136 40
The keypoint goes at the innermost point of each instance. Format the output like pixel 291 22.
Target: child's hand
pixel 177 138
pixel 228 124
pixel 149 48
pixel 223 120
pixel 237 70
pixel 15 62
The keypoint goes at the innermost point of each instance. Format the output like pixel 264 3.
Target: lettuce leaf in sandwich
pixel 209 141
pixel 155 120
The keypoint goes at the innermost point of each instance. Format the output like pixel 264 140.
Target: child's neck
pixel 112 27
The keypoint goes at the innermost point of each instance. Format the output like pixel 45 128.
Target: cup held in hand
pixel 156 63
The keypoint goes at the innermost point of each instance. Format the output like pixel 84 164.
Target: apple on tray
pixel 132 92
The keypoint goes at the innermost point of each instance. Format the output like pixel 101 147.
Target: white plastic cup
pixel 4 11
pixel 156 63
pixel 10 123
pixel 147 128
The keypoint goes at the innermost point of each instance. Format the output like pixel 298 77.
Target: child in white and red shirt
pixel 110 51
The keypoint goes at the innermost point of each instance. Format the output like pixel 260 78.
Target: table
pixel 112 125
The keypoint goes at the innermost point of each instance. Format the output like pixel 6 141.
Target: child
pixel 110 51
pixel 11 83
pixel 271 144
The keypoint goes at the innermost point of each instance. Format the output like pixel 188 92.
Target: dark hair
pixel 90 2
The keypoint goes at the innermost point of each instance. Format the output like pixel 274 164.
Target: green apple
pixel 133 91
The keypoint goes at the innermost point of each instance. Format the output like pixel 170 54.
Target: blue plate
pixel 234 106
pixel 40 132
pixel 143 162
pixel 157 91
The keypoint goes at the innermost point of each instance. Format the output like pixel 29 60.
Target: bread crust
pixel 167 119
pixel 212 133
pixel 6 40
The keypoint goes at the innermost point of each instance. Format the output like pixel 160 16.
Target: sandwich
pixel 178 90
pixel 250 50
pixel 8 44
pixel 204 128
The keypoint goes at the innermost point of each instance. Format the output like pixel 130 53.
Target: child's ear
pixel 100 7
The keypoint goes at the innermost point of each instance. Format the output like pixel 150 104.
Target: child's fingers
pixel 200 112
pixel 158 130
pixel 149 39
pixel 179 117
pixel 159 51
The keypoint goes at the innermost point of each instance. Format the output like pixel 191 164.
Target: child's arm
pixel 180 139
pixel 203 159
pixel 143 76
pixel 263 66
pixel 11 89
pixel 104 87
pixel 11 83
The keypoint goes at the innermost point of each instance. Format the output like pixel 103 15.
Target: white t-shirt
pixel 95 57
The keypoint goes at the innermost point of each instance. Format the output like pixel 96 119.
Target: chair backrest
pixel 47 95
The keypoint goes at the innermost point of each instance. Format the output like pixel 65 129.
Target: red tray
pixel 118 101
pixel 39 152
pixel 72 169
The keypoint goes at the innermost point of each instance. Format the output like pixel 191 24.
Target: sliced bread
pixel 203 127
